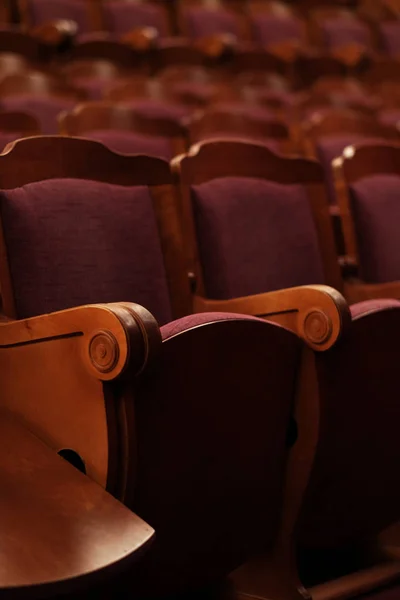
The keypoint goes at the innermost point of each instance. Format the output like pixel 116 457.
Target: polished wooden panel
pixel 61 532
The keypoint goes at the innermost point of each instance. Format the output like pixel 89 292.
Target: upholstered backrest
pixel 121 17
pixel 44 108
pixel 341 31
pixel 375 207
pixel 71 242
pixel 353 492
pixel 129 142
pixel 212 446
pixel 254 236
pixel 390 33
pixel 42 11
pixel 271 29
pixel 202 22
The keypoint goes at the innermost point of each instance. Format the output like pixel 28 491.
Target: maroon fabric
pixel 341 31
pixel 330 147
pixel 196 320
pixel 390 33
pixel 41 11
pixel 157 109
pixel 247 110
pixel 390 116
pixel 93 86
pixel 375 204
pixel 202 22
pixel 45 108
pixel 353 491
pixel 270 29
pixel 254 236
pixel 368 306
pixel 271 144
pixel 203 92
pixel 73 242
pixel 122 17
pixel 129 142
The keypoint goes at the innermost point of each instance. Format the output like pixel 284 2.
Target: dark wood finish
pixel 217 120
pixel 62 533
pixel 21 43
pixel 39 84
pixel 25 124
pixel 105 115
pixel 209 160
pixel 103 343
pixel 341 121
pixel 354 164
pixel 50 157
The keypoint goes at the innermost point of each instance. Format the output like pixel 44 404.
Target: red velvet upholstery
pixel 73 242
pixel 375 203
pixel 390 34
pixel 269 29
pixel 129 142
pixel 41 11
pixel 159 109
pixel 353 491
pixel 254 236
pixel 44 108
pixel 121 17
pixel 341 31
pixel 202 22
pixel 390 116
pixel 212 447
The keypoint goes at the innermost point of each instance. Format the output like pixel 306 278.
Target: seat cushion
pixel 121 17
pixel 254 236
pixel 339 32
pixel 203 22
pixel 45 108
pixel 129 142
pixel 41 11
pixel 375 204
pixel 73 242
pixel 270 29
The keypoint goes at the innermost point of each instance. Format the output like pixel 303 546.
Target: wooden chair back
pixel 50 157
pixel 355 165
pixel 217 160
pixel 92 116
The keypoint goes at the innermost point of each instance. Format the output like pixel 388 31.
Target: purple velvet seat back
pixel 270 29
pixel 254 236
pixel 390 33
pixel 198 472
pixel 339 32
pixel 330 147
pixel 72 242
pixel 42 11
pixel 353 490
pixel 375 203
pixel 223 134
pixel 129 142
pixel 203 22
pixel 121 17
pixel 44 108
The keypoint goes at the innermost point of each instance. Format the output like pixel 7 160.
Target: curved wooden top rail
pixel 49 157
pixel 60 531
pixel 217 158
pixel 357 162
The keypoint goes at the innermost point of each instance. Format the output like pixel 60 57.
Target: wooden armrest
pixel 317 313
pixel 60 531
pixel 141 39
pixel 55 33
pixel 57 373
